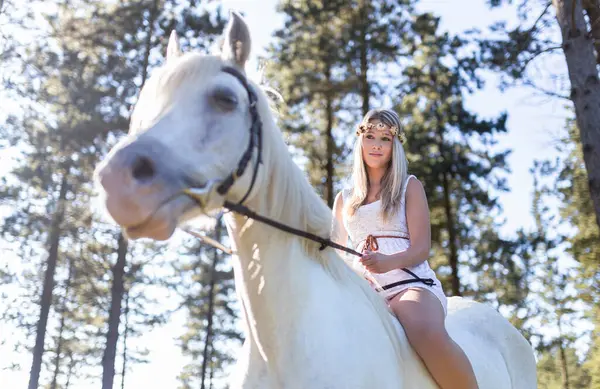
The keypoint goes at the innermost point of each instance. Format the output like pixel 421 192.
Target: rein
pixel 227 183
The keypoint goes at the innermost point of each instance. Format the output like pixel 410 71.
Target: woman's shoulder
pixel 344 194
pixel 412 180
pixel 341 198
pixel 413 187
pixel 407 182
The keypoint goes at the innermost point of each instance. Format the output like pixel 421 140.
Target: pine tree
pixel 576 208
pixel 592 362
pixel 79 109
pixel 450 149
pixel 304 66
pixel 376 36
pixel 556 290
pixel 138 28
pixel 212 314
pixel 60 339
pixel 549 376
pixel 327 62
pixel 517 50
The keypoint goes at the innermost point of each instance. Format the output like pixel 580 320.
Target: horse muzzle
pixel 142 192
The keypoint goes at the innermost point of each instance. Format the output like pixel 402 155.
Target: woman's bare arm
pixel 419 228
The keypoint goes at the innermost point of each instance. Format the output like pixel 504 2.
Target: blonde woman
pixel 386 215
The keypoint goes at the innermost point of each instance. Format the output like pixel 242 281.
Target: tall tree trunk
pixel 578 48
pixel 118 287
pixel 365 88
pixel 125 332
pixel 211 304
pixel 450 217
pixel 114 317
pixel 563 366
pixel 212 369
pixel 58 352
pixel 563 358
pixel 60 339
pixel 453 255
pixel 46 300
pixel 70 370
pixel 330 149
pixel 148 43
pixel 592 9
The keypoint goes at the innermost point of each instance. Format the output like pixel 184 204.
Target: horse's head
pixel 193 121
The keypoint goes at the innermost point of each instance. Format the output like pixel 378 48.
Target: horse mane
pixel 305 210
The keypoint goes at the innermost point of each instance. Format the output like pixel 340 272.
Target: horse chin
pixel 156 231
pixel 163 223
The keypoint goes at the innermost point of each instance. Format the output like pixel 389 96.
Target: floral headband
pixel 366 126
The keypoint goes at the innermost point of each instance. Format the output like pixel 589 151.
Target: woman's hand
pixel 376 262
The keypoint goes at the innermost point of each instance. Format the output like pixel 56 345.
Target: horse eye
pixel 225 99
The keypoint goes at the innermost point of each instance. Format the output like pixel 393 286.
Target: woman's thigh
pixel 421 314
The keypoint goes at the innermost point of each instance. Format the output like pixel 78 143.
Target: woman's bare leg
pixel 422 317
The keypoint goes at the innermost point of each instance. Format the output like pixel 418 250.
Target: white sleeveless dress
pixel 367 223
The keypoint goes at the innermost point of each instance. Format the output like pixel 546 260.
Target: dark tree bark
pixel 330 149
pixel 46 300
pixel 114 317
pixel 211 308
pixel 60 340
pixel 578 48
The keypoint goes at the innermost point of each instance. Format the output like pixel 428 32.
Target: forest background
pixel 500 101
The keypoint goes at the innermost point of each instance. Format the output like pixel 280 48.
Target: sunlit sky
pixel 533 123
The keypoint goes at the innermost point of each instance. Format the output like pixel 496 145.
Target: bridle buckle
pixel 207 197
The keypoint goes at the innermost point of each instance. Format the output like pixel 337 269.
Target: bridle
pixel 255 140
pixel 224 186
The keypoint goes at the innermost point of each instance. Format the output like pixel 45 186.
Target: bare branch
pixel 545 91
pixel 541 16
pixel 534 56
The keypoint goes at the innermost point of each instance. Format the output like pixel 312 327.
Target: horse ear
pixel 173 49
pixel 236 41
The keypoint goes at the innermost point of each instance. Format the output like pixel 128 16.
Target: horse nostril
pixel 143 168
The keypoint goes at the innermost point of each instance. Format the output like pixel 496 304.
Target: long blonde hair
pixel 394 177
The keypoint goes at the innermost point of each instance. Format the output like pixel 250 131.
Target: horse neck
pixel 283 193
pixel 284 280
pixel 288 196
pixel 274 268
pixel 272 273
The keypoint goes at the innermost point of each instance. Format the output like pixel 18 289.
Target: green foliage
pixel 79 83
pixel 577 209
pixel 513 51
pixel 322 61
pixel 453 152
pixel 550 366
pixel 304 66
pixel 207 292
pixel 331 61
pixel 565 272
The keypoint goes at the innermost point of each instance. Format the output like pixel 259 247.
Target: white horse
pixel 311 321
